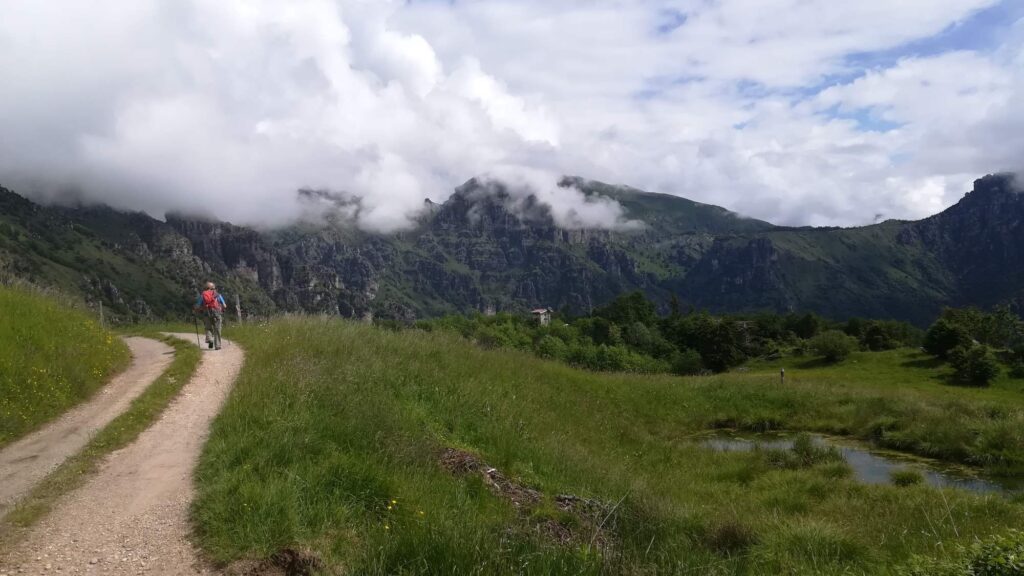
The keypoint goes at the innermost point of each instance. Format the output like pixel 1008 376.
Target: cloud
pixel 764 106
pixel 567 205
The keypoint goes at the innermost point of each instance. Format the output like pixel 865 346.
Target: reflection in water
pixel 869 467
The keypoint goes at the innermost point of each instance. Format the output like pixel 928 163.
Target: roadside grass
pixel 122 431
pixel 331 441
pixel 52 357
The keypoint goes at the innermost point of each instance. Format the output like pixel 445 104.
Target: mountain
pixel 483 249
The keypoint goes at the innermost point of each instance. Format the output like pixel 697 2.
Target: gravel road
pixel 132 517
pixel 29 460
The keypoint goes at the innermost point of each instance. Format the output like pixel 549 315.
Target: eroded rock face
pixel 981 240
pixel 484 250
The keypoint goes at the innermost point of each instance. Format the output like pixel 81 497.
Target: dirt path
pixel 132 517
pixel 29 460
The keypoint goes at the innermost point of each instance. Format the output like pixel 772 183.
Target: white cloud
pixel 229 106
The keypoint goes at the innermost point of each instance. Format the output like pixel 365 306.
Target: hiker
pixel 211 305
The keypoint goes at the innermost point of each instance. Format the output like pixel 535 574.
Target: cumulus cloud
pixel 796 111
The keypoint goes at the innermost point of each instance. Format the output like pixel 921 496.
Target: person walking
pixel 211 306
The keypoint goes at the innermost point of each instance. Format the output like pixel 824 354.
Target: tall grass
pixel 331 440
pixel 52 356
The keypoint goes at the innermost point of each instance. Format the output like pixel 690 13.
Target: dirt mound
pixel 594 519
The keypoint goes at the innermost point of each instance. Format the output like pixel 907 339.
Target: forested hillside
pixel 481 250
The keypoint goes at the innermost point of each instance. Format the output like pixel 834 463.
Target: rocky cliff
pixel 483 250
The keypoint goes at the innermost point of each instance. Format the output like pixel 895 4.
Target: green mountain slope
pixel 480 250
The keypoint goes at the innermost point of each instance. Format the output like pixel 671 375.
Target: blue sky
pixel 795 111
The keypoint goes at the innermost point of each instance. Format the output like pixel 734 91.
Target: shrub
pixel 906 477
pixel 833 345
pixel 1017 371
pixel 687 363
pixel 877 335
pixel 998 555
pixel 943 337
pixel 974 365
pixel 552 348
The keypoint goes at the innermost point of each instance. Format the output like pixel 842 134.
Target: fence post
pixel 238 308
pixel 102 323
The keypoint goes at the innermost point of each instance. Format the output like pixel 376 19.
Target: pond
pixel 872 466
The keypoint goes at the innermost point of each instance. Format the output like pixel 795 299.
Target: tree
pixel 719 343
pixel 674 308
pixel 629 308
pixel 888 334
pixel 973 365
pixel 944 336
pixel 806 326
pixel 833 345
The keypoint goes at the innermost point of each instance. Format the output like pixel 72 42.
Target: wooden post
pixel 102 325
pixel 238 308
pixel 782 376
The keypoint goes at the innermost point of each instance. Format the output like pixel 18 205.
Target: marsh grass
pixel 804 453
pixel 907 477
pixel 331 422
pixel 52 357
pixel 120 432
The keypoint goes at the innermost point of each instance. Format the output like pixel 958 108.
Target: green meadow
pixel 52 356
pixel 383 452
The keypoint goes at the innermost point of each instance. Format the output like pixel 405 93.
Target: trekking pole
pixel 196 322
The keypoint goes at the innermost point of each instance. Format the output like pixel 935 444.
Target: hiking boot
pixel 217 348
pixel 209 345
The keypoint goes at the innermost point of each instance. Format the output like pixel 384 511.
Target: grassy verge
pixel 124 429
pixel 52 357
pixel 334 440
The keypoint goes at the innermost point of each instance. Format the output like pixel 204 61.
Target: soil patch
pixel 287 562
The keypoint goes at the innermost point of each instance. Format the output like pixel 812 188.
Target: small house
pixel 543 316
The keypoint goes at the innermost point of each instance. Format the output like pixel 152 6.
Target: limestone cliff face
pixel 981 240
pixel 483 250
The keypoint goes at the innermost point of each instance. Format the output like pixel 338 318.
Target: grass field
pixel 52 357
pixel 338 440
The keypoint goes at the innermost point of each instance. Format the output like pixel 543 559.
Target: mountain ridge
pixel 482 250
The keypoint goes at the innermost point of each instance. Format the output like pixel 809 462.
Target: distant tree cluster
pixel 629 335
pixel 975 343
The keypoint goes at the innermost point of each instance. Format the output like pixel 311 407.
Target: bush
pixel 1017 371
pixel 943 337
pixel 687 363
pixel 999 555
pixel 833 345
pixel 552 348
pixel 974 365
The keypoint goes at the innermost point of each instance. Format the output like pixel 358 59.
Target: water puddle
pixel 871 466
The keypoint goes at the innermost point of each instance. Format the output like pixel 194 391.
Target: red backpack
pixel 211 300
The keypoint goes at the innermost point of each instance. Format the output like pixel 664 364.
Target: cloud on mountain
pixel 789 110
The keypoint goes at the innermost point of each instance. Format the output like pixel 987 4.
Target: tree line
pixel 629 335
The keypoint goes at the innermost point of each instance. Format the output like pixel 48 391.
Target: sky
pixel 801 112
